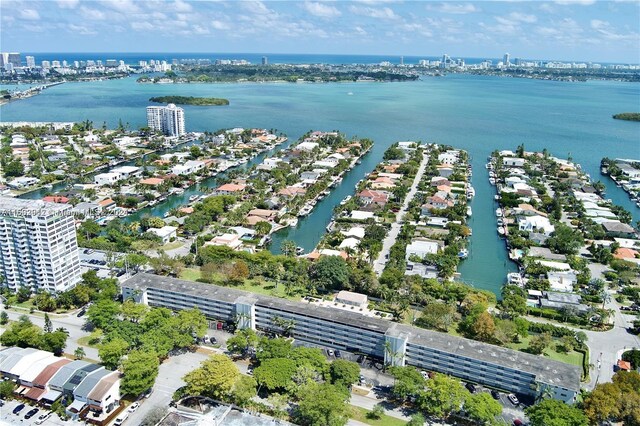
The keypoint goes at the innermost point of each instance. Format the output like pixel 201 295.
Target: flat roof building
pixel 466 359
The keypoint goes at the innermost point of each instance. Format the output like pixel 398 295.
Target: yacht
pixel 469 211
pixel 498 212
pixel 345 201
pixel 463 254
pixel 299 250
pixel 501 230
pixel 193 198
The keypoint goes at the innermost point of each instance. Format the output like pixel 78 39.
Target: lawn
pixel 572 357
pixel 172 246
pixel 360 414
pixel 268 288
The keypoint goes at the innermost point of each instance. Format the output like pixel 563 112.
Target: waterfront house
pixel 379 198
pixel 445 171
pixel 263 214
pixel 166 233
pixel 354 232
pixel 228 240
pixel 535 223
pixel 513 162
pixel 383 182
pixel 361 215
pixel 230 189
pixel 421 247
pixel 618 229
pixel 439 180
pixel 424 271
pixel 349 243
pixel 270 163
pixel 312 175
pixel 56 199
pixel 317 254
pixel 291 191
pixel 559 301
pixel 152 182
pixel 189 167
pixel 22 182
pixel 562 281
pixel 448 158
pixel 307 146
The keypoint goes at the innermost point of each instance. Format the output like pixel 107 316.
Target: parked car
pixel 425 375
pixel 517 422
pixel 330 352
pixel 514 399
pixel 133 407
pixel 338 354
pixel 81 312
pixel 495 394
pixel 361 358
pixel 31 413
pixel 121 418
pixel 471 387
pixel 18 408
pixel 213 340
pixel 362 378
pixel 43 418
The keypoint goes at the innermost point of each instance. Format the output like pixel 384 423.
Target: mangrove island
pixel 189 100
pixel 629 116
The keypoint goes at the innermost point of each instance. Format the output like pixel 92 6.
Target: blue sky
pixel 606 31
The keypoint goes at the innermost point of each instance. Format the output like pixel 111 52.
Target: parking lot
pixel 7 417
pixel 99 262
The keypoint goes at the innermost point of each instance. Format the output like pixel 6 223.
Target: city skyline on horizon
pixel 574 30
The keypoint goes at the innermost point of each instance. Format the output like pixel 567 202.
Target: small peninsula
pixel 190 100
pixel 629 116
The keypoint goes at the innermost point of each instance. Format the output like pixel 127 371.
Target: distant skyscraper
pixel 31 61
pixel 55 64
pixel 265 60
pixel 4 58
pixel 15 59
pixel 168 120
pixel 46 64
pixel 505 60
pixel 38 246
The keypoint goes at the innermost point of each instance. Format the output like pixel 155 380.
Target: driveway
pixel 391 237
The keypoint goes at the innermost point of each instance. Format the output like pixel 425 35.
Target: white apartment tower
pixel 31 61
pixel 38 246
pixel 168 120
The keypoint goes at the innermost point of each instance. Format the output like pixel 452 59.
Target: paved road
pixel 391 237
pixel 70 322
pixel 606 347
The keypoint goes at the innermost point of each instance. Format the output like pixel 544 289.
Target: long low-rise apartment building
pixel 397 344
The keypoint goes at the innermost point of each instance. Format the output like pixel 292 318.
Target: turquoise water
pixel 475 113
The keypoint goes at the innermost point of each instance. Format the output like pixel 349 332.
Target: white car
pixel 43 418
pixel 514 399
pixel 133 407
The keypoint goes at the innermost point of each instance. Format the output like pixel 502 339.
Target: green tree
pixel 288 248
pixel 22 333
pixel 482 407
pixel 54 342
pixel 437 315
pixel 104 314
pixel 79 353
pixel 215 377
pixel 273 348
pixel 275 373
pixel 484 327
pixel 242 341
pixel 262 228
pixel 48 327
pixel 323 405
pixel 408 382
pixel 344 373
pixel 4 318
pixel 514 301
pixel 376 413
pixel 442 396
pixel 565 240
pixel 330 272
pixel 112 351
pixel 539 343
pixel 551 412
pixel 23 294
pixel 6 389
pixel 243 390
pixel 132 311
pixel 45 302
pixel 416 420
pixel 139 372
pixel 89 229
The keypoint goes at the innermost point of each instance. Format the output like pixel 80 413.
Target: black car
pixel 31 413
pixel 338 354
pixel 471 387
pixel 495 394
pixel 360 359
pixel 18 409
pixel 81 313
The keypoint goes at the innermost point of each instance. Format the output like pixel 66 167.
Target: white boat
pixel 469 211
pixel 492 181
pixel 463 254
pixel 498 213
pixel 345 201
pixel 48 186
pixel 299 250
pixel 500 221
pixel 514 278
pixel 193 198
pixel 471 192
pixel 496 197
pixel 501 230
pixel 166 215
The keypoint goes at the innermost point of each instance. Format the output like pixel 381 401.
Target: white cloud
pixel 372 12
pixel 197 29
pixel 576 2
pixel 81 29
pixel 523 17
pixel 67 4
pixel 92 14
pixel 29 15
pixel 360 31
pixel 605 30
pixel 459 9
pixel 141 26
pixel 256 7
pixel 181 6
pixel 124 6
pixel 321 10
pixel 220 25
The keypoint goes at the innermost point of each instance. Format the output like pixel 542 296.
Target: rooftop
pixel 545 370
pixel 12 206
